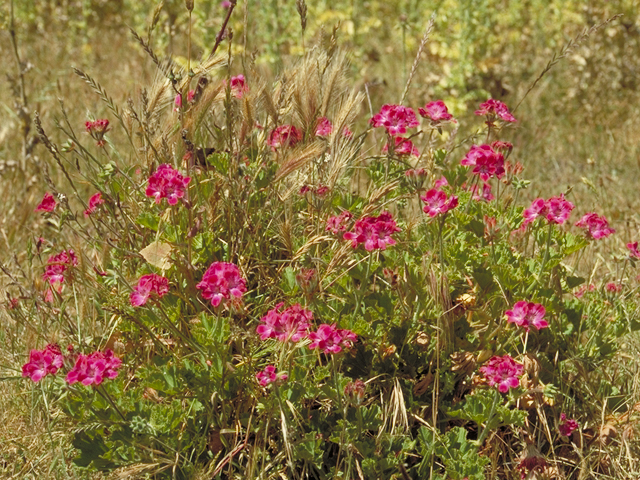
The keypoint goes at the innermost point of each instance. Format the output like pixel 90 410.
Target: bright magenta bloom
pixel 239 86
pixel 527 314
pixel 403 146
pixel 555 210
pixel 613 287
pixel 330 339
pixel 147 285
pixel 436 202
pixel 290 325
pixel 374 232
pixel 48 203
pixel 222 280
pixel 284 136
pixel 633 249
pixel 559 209
pixel 495 108
pixel 437 112
pixel 43 362
pixel 566 427
pixel 58 264
pixel 268 375
pixel 339 223
pixel 597 226
pixel 94 201
pixel 166 182
pixel 94 368
pixel 486 162
pixel 503 372
pixel 395 118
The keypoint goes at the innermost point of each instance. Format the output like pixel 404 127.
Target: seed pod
pixel 189 5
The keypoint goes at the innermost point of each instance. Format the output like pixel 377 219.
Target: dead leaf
pixel 157 254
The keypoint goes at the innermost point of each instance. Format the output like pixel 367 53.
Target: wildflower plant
pixel 318 310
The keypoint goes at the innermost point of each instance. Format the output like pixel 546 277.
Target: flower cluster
pixel 555 210
pixel 416 177
pixel 147 285
pixel 238 86
pixel 48 203
pixel 403 146
pixel 284 136
pixel 486 162
pixel 395 118
pixel 633 250
pixel 355 391
pixel 97 129
pixel 324 127
pixel 436 202
pixel 269 375
pixel 94 368
pixel 289 325
pixel 373 232
pixel 503 372
pixel 43 362
pixel 58 264
pixel 330 339
pixel 339 223
pixel 166 182
pixel 320 190
pixel 94 201
pixel 495 108
pixel 221 281
pixel 527 314
pixel 596 226
pixel 437 112
pixel 566 426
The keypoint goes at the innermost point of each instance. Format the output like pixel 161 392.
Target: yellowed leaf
pixel 157 254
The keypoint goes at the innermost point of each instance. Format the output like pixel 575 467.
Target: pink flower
pixel 537 209
pixel 597 226
pixel 486 194
pixel 268 375
pixel 58 264
pixel 239 86
pixel 147 285
pixel 559 209
pixel 441 182
pixel 436 202
pixel 532 461
pixel 633 250
pixel 395 118
pixel 555 210
pixel 527 314
pixel 503 372
pixel 284 136
pixel 221 281
pixel 43 362
pixel 94 368
pixel 330 339
pixel 486 162
pixel 97 130
pixel 289 325
pixel 323 127
pixel 94 201
pixel 166 182
pixel 613 287
pixel 374 232
pixel 403 146
pixel 437 112
pixel 584 289
pixel 339 223
pixel 566 427
pixel 492 108
pixel 48 203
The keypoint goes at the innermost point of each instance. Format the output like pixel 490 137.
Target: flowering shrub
pixel 399 359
